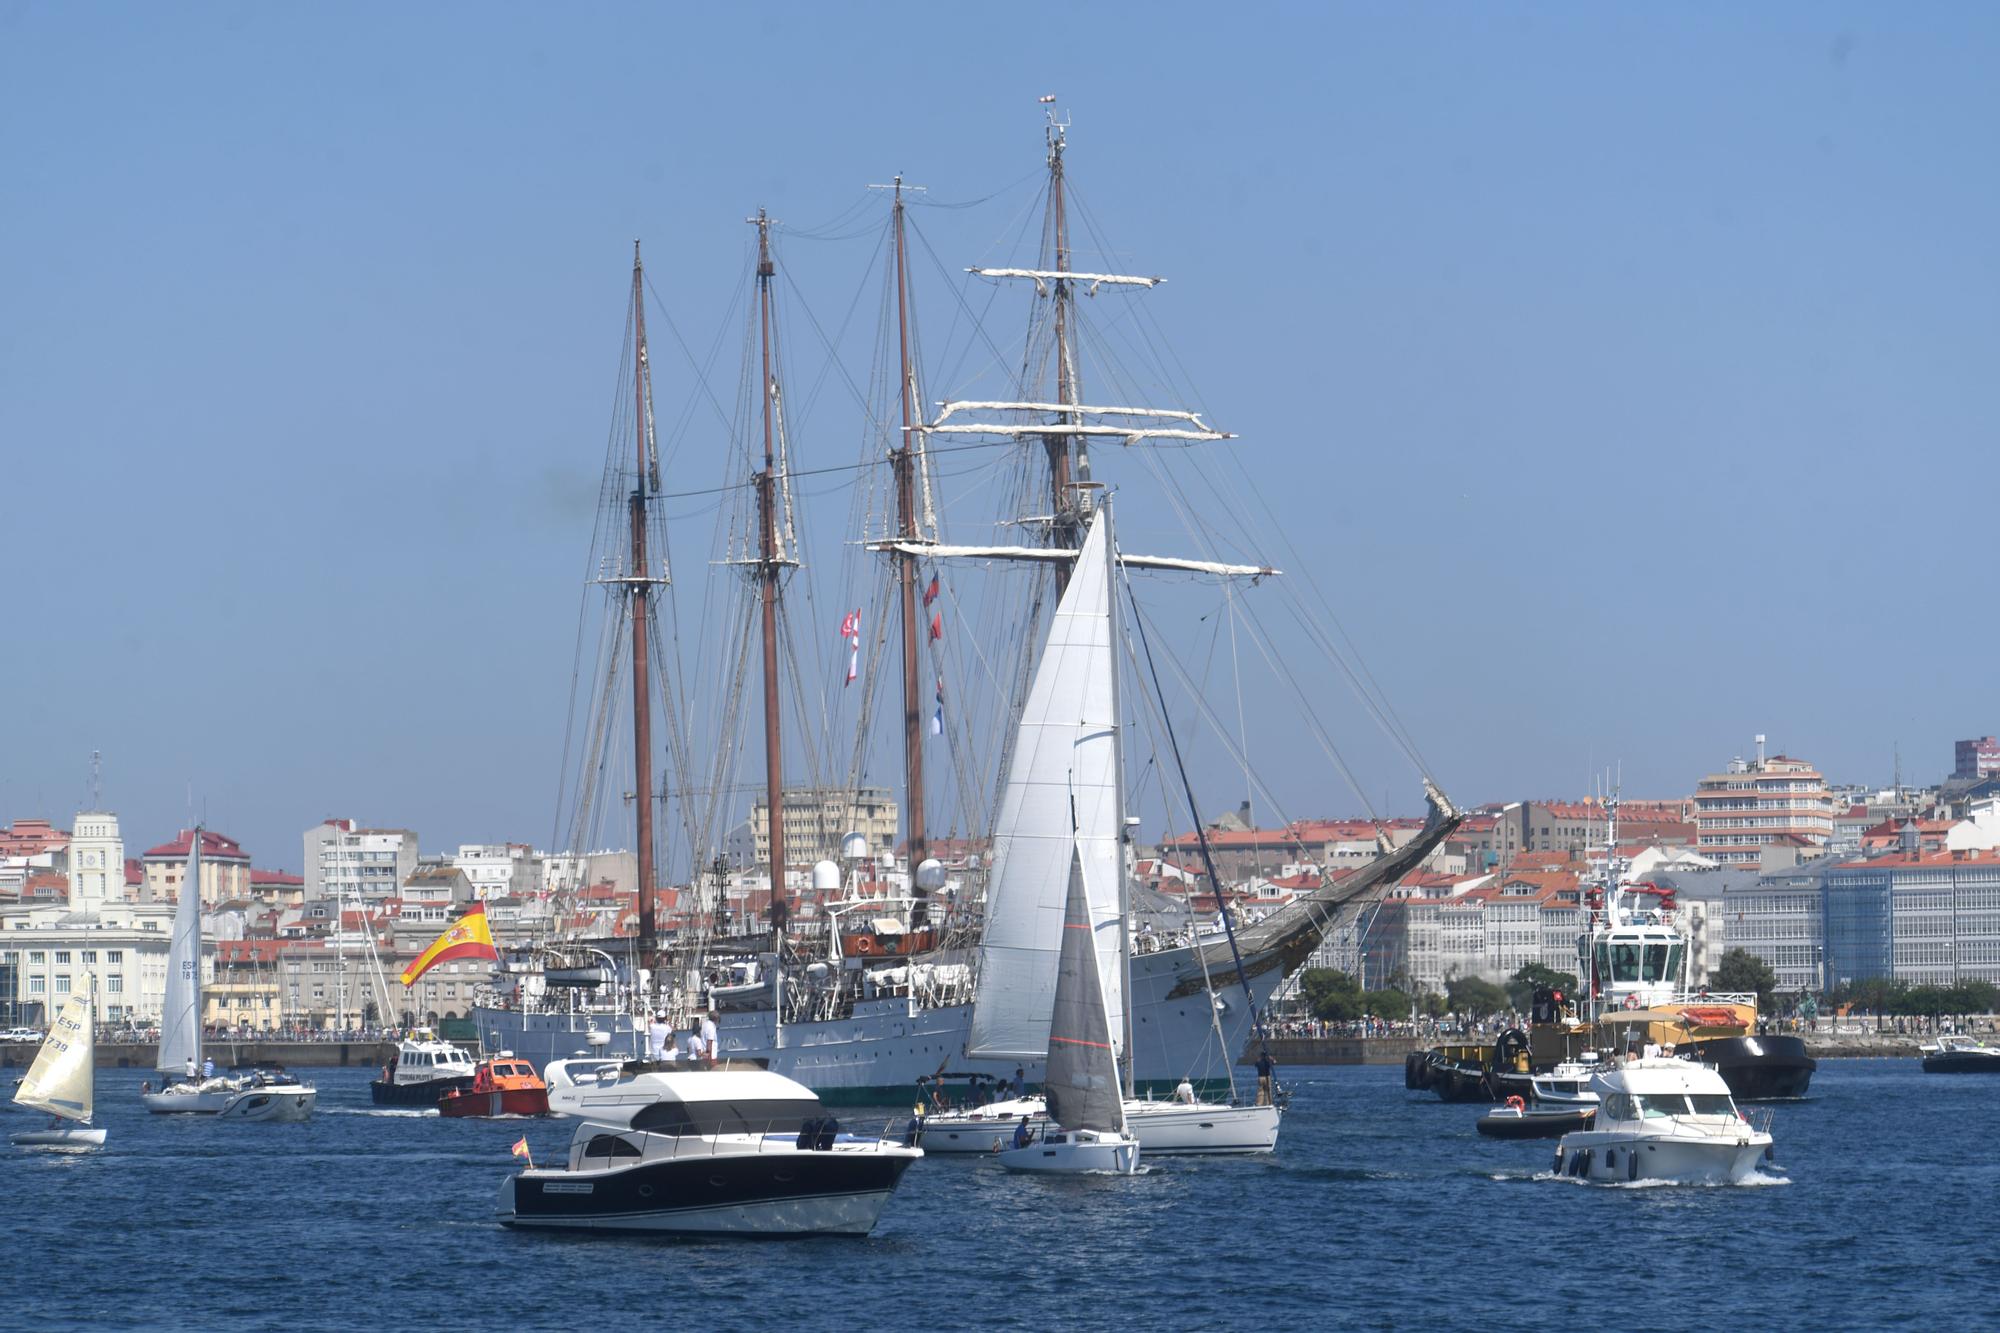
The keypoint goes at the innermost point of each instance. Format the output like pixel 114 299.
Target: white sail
pixel 180 1014
pixel 1065 757
pixel 64 1074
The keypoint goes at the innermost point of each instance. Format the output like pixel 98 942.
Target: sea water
pixel 1381 1209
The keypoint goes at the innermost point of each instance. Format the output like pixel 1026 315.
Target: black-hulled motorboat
pixel 1961 1055
pixel 1539 1122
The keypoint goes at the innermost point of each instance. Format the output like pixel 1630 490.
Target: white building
pixel 500 870
pixel 48 949
pixel 96 861
pixel 355 864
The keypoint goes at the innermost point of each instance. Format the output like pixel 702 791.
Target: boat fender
pixel 1632 1166
pixel 1517 1103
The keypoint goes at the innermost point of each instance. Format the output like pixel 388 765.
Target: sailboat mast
pixel 906 581
pixel 767 576
pixel 642 717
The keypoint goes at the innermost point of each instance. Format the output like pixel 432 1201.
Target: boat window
pixel 1656 962
pixel 610 1145
pixel 1674 953
pixel 748 1116
pixel 1625 962
pixel 1617 1106
pixel 1712 1103
pixel 1661 1105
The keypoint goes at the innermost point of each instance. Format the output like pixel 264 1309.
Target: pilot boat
pixel 707 1152
pixel 505 1085
pixel 1664 1119
pixel 423 1070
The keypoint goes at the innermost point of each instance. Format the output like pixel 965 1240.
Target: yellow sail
pixel 64 1073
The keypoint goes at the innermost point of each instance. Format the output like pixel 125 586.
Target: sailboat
pixel 258 1096
pixel 63 1078
pixel 1087 1129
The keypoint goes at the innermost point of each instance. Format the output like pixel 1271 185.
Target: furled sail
pixel 180 1011
pixel 1060 804
pixel 1082 1073
pixel 63 1075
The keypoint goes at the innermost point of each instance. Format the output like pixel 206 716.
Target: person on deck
pixel 193 1070
pixel 1020 1083
pixel 208 1067
pixel 1023 1136
pixel 656 1038
pixel 1185 1092
pixel 708 1036
pixel 1267 1074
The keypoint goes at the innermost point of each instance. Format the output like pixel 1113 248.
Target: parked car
pixel 20 1034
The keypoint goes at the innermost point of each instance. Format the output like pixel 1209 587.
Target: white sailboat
pixel 256 1097
pixel 1086 1129
pixel 63 1078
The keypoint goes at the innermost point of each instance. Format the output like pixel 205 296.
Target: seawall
pixel 291 1054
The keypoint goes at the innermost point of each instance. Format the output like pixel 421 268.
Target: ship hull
pixel 876 1055
pixel 1757 1069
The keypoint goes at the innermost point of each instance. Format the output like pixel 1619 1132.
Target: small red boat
pixel 504 1085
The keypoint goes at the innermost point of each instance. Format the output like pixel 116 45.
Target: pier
pixel 1391 1050
pixel 226 1054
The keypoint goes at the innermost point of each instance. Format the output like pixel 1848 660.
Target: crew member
pixel 1267 1073
pixel 1023 1136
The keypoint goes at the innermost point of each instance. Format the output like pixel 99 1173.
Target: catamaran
pixel 62 1079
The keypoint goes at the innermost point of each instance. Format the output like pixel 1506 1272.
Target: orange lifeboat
pixel 504 1085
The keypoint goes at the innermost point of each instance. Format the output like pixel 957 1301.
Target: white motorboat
pixel 62 1081
pixel 1086 1129
pixel 1664 1119
pixel 711 1151
pixel 423 1070
pixel 257 1096
pixel 1567 1085
pixel 1173 1128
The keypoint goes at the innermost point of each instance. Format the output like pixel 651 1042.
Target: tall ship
pixel 902 974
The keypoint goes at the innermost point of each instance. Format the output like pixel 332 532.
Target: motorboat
pixel 505 1085
pixel 63 1080
pixel 739 1151
pixel 1086 1129
pixel 1960 1055
pixel 422 1070
pixel 1176 1128
pixel 1664 1119
pixel 591 1087
pixel 1517 1119
pixel 266 1095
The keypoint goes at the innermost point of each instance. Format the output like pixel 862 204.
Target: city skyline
pixel 1603 365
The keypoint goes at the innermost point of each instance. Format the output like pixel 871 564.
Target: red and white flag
pixel 937 626
pixel 931 593
pixel 850 630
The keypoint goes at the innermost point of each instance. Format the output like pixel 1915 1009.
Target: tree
pixel 1741 970
pixel 1521 986
pixel 1332 996
pixel 1475 996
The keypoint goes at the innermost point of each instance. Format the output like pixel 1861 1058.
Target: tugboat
pixel 504 1085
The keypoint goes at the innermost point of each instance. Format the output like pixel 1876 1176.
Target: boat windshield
pixel 1663 1105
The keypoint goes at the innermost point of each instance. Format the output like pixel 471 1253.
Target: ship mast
pixel 906 582
pixel 641 588
pixel 768 568
pixel 1064 528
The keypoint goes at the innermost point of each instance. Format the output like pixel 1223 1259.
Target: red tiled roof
pixel 214 846
pixel 275 879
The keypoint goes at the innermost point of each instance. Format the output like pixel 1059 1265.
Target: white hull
pixel 1617 1157
pixel 182 1099
pixel 287 1104
pixel 1162 1128
pixel 876 1055
pixel 1075 1154
pixel 67 1136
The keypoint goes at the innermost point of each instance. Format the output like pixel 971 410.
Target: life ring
pixel 861 944
pixel 1517 1103
pixel 1633 1002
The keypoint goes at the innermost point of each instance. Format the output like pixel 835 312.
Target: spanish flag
pixel 466 937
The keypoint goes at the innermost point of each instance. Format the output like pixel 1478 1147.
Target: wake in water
pixel 1756 1181
pixel 397 1112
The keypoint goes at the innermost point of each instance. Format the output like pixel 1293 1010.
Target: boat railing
pixel 773 1136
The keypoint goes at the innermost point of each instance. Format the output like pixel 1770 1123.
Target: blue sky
pixel 1624 374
